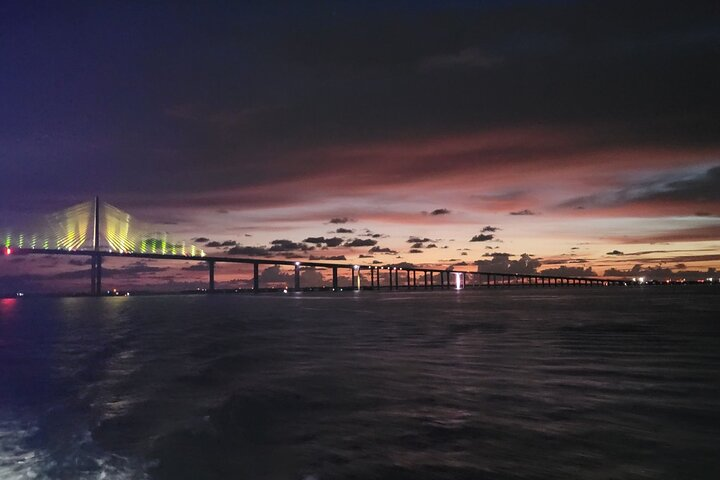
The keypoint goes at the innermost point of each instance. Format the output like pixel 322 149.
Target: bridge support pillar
pixel 211 276
pixel 390 278
pixel 397 279
pixel 335 279
pixel 372 278
pixel 256 277
pixel 352 278
pixel 93 275
pixel 414 278
pixel 297 277
pixel 96 275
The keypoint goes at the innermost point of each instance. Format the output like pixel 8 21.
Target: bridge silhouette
pixel 98 230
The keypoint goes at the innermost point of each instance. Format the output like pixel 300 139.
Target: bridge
pixel 99 230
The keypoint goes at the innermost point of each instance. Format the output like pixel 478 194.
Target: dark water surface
pixel 586 383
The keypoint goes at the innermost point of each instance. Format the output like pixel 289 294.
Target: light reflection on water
pixel 585 383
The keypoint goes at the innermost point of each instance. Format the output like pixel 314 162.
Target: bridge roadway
pixel 410 280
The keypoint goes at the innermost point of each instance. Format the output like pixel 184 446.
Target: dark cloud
pixel 415 250
pixel 315 240
pixel 333 242
pixel 249 251
pixel 695 234
pixel 282 245
pixel 365 256
pixel 418 240
pixel 197 267
pixel 489 229
pixel 700 188
pixel 228 243
pixel 660 273
pixel 610 67
pixel 213 244
pixel 440 211
pixel 344 230
pixel 482 238
pixel 328 258
pixel 201 239
pixel 79 262
pixel 615 252
pixel 501 263
pixel 405 265
pixel 523 212
pixel 341 220
pixel 137 268
pixel 360 242
pixel 386 250
pixel 565 271
pixel 416 245
pixel 431 245
pixel 463 59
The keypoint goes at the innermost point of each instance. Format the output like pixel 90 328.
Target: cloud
pixel 693 191
pixel 615 252
pixel 482 238
pixel 331 257
pixel 695 234
pixel 137 268
pixel 315 240
pixel 213 244
pixel 249 251
pixel 377 249
pixel 490 229
pixel 333 242
pixel 344 230
pixel 361 242
pixel 415 250
pixel 440 211
pixel 365 256
pixel 414 239
pixel 565 271
pixel 197 267
pixel 78 262
pixel 466 58
pixel 660 273
pixel 501 263
pixel 330 242
pixel 431 245
pixel 283 245
pixel 523 212
pixel 341 220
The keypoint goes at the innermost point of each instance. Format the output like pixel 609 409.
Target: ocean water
pixel 572 383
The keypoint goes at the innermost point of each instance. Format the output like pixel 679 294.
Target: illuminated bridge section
pixel 74 229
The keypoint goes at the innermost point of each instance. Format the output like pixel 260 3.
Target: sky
pixel 546 136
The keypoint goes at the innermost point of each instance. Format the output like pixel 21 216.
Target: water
pixel 505 384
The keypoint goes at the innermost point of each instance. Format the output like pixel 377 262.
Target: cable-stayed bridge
pixel 98 230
